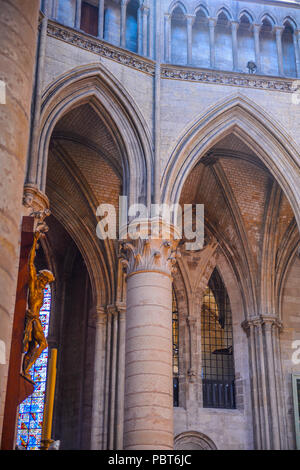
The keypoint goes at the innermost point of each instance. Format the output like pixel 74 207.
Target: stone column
pixel 148 413
pixel 268 326
pixel 99 380
pixel 256 30
pixel 139 31
pixel 234 28
pixel 212 24
pixel 78 14
pixel 189 24
pixel 123 23
pixel 297 51
pixel 112 310
pixel 100 19
pixel 121 376
pixel 269 427
pixel 18 38
pixel 168 38
pixel 145 14
pixel 278 32
pixel 31 177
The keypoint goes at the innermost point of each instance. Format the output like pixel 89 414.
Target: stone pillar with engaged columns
pixel 148 411
pixel 267 389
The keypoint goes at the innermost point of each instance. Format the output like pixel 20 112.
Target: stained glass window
pixel 31 410
pixel 175 351
pixel 217 346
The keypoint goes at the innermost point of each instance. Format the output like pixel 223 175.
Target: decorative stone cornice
pixel 133 60
pixel 99 47
pixel 156 253
pixel 227 78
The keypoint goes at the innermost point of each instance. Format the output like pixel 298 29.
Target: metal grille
pixel 217 346
pixel 175 350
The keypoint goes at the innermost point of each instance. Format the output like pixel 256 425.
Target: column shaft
pixel 148 420
pixel 256 29
pixel 212 24
pixel 297 51
pixel 189 25
pixel 279 50
pixel 121 380
pixel 168 38
pixel 99 382
pixel 78 14
pixel 123 24
pixel 234 28
pixel 101 19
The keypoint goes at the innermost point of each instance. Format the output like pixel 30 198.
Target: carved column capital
pixel 267 320
pixel 156 253
pixel 112 309
pixel 212 22
pixel 100 315
pixel 36 204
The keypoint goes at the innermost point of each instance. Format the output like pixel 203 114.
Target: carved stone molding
pixel 193 74
pixel 100 47
pixel 227 78
pixel 156 253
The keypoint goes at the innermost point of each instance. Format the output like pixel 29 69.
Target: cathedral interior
pixel 174 103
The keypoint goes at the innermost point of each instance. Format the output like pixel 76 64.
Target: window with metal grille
pixel 217 346
pixel 175 350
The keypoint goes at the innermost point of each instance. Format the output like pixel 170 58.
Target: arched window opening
pixel 246 47
pixel 66 12
pixel 175 328
pixel 288 51
pixel 223 43
pixel 31 410
pixel 89 17
pixel 268 49
pixel 217 346
pixel 178 37
pixel 112 21
pixel 132 26
pixel 201 46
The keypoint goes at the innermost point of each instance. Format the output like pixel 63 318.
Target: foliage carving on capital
pixel 149 255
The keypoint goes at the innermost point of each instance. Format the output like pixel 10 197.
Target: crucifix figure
pixel 34 341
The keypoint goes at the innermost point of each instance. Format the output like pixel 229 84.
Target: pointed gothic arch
pixel 239 115
pixel 94 84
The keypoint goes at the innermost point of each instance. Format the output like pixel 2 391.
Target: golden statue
pixel 34 341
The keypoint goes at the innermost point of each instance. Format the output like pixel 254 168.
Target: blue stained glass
pixel 31 411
